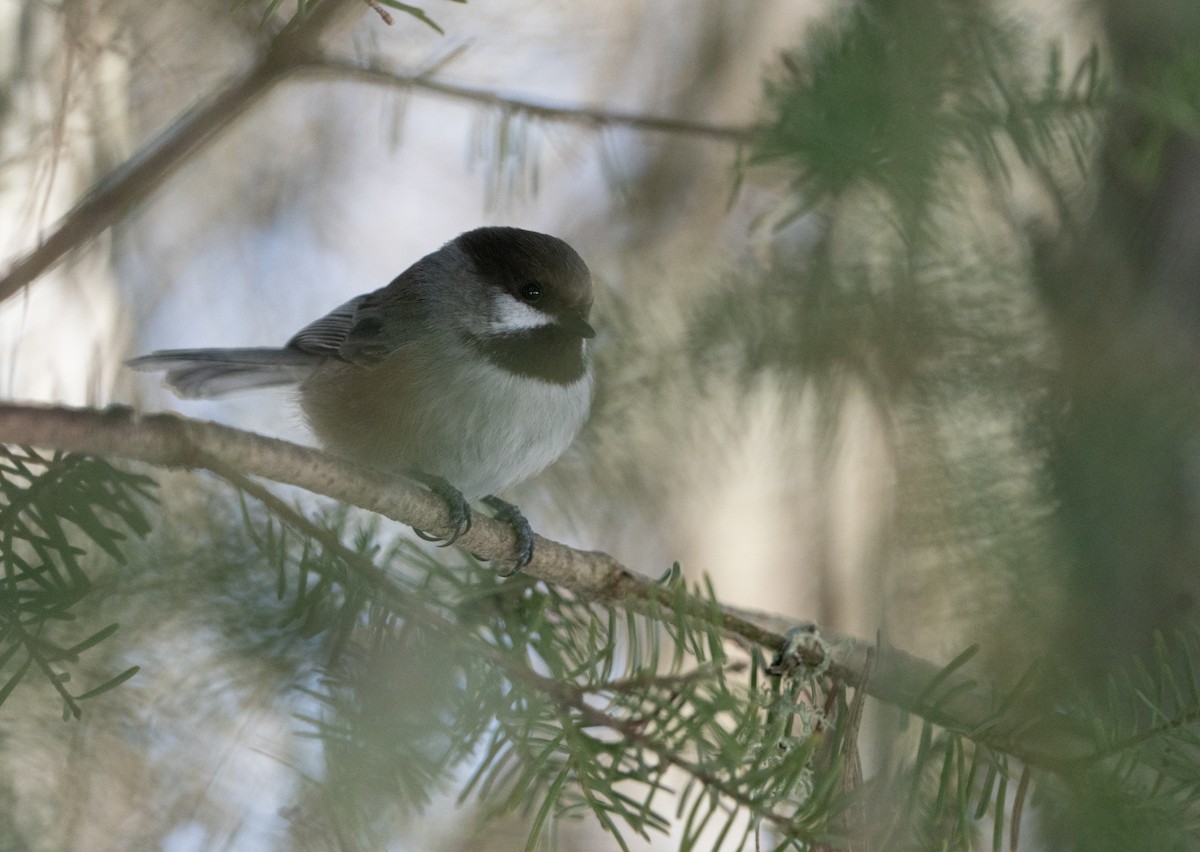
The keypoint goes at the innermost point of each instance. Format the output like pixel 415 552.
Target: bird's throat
pixel 546 353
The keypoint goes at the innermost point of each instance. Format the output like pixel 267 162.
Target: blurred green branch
pixel 46 505
pixel 570 697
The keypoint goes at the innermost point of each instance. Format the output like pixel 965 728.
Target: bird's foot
pixel 460 511
pixel 511 515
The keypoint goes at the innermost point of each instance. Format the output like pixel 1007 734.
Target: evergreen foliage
pixel 51 506
pixel 558 707
pixel 533 702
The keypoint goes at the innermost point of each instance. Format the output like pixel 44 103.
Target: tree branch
pixel 129 184
pixel 898 678
pixel 593 117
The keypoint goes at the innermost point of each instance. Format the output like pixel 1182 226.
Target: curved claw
pixel 460 511
pixel 511 515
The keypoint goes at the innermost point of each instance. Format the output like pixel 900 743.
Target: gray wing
pixel 326 335
pixel 354 332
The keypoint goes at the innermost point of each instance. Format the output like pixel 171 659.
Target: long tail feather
pixel 210 373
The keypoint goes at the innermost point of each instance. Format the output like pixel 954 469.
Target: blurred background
pixel 903 339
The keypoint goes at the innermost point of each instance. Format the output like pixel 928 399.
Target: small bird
pixel 469 372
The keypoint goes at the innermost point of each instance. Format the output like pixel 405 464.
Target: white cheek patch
pixel 512 315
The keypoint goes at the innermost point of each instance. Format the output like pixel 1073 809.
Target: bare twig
pixel 591 116
pixel 384 14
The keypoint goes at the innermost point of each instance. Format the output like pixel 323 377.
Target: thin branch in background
pixel 588 116
pixel 384 14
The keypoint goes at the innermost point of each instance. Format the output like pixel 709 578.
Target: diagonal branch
pixel 944 697
pixel 127 186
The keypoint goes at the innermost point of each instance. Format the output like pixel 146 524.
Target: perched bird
pixel 469 372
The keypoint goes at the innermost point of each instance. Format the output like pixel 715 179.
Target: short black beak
pixel 578 326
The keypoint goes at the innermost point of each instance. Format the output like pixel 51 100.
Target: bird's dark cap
pixel 511 258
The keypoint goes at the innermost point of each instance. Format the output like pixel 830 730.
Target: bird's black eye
pixel 531 292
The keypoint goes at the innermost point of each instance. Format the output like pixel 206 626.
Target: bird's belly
pixel 515 435
pixel 481 428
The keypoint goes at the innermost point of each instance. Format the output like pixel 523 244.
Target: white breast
pixel 506 428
